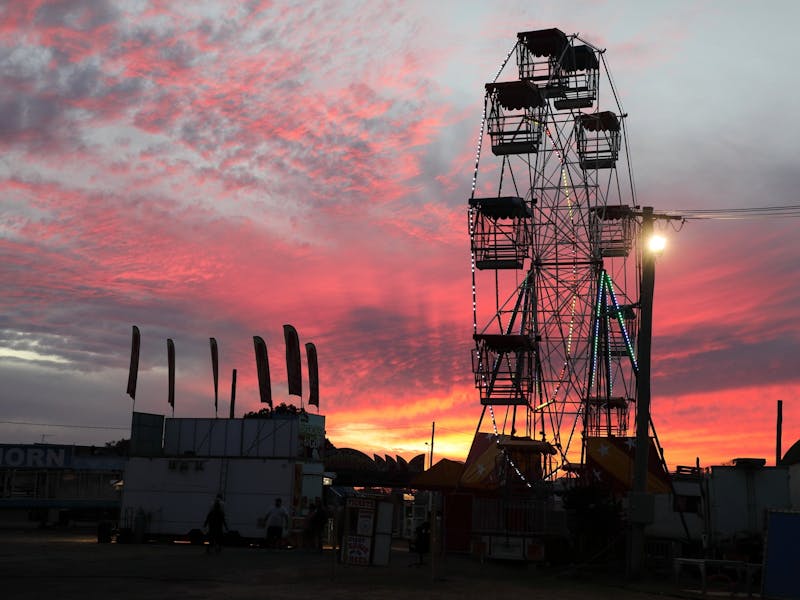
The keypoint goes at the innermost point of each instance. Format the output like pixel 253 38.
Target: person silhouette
pixel 277 519
pixel 317 522
pixel 216 524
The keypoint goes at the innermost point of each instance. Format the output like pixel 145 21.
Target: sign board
pixel 368 531
pixel 147 433
pixel 365 521
pixel 382 546
pixel 35 457
pixel 357 549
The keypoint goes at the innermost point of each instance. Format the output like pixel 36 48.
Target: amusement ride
pixel 556 257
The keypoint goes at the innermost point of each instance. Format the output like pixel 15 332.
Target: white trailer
pixel 679 515
pixel 722 505
pixel 740 496
pixel 249 462
pixel 173 495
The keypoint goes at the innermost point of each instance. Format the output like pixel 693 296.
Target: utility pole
pixel 778 433
pixel 433 430
pixel 641 505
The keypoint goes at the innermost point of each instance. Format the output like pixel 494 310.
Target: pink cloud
pixel 225 173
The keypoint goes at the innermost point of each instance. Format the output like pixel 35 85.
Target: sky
pixel 219 169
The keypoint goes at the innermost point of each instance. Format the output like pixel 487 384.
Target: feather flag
pixel 171 367
pixel 215 369
pixel 133 372
pixel 262 367
pixel 313 375
pixel 294 376
pixel 233 392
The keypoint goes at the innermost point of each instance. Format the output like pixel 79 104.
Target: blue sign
pixel 35 457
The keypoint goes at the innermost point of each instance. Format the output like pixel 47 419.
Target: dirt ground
pixel 71 565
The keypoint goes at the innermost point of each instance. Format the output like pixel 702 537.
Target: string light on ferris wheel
pixel 471 212
pixel 621 321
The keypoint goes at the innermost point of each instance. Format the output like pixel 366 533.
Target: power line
pixel 753 212
pixel 65 426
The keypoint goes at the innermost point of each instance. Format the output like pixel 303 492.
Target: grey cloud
pixel 84 15
pixel 28 113
pixel 178 53
pixel 734 362
pixel 39 394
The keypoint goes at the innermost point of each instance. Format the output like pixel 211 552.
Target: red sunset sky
pixel 222 168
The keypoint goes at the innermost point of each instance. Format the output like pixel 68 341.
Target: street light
pixel 656 244
pixel 640 504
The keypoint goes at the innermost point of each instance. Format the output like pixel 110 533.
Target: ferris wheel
pixel 555 263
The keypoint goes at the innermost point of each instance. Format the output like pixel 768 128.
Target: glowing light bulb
pixel 656 243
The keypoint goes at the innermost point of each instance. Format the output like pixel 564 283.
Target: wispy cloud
pixel 222 168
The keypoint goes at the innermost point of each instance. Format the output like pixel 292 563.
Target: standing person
pixel 318 521
pixel 277 518
pixel 215 522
